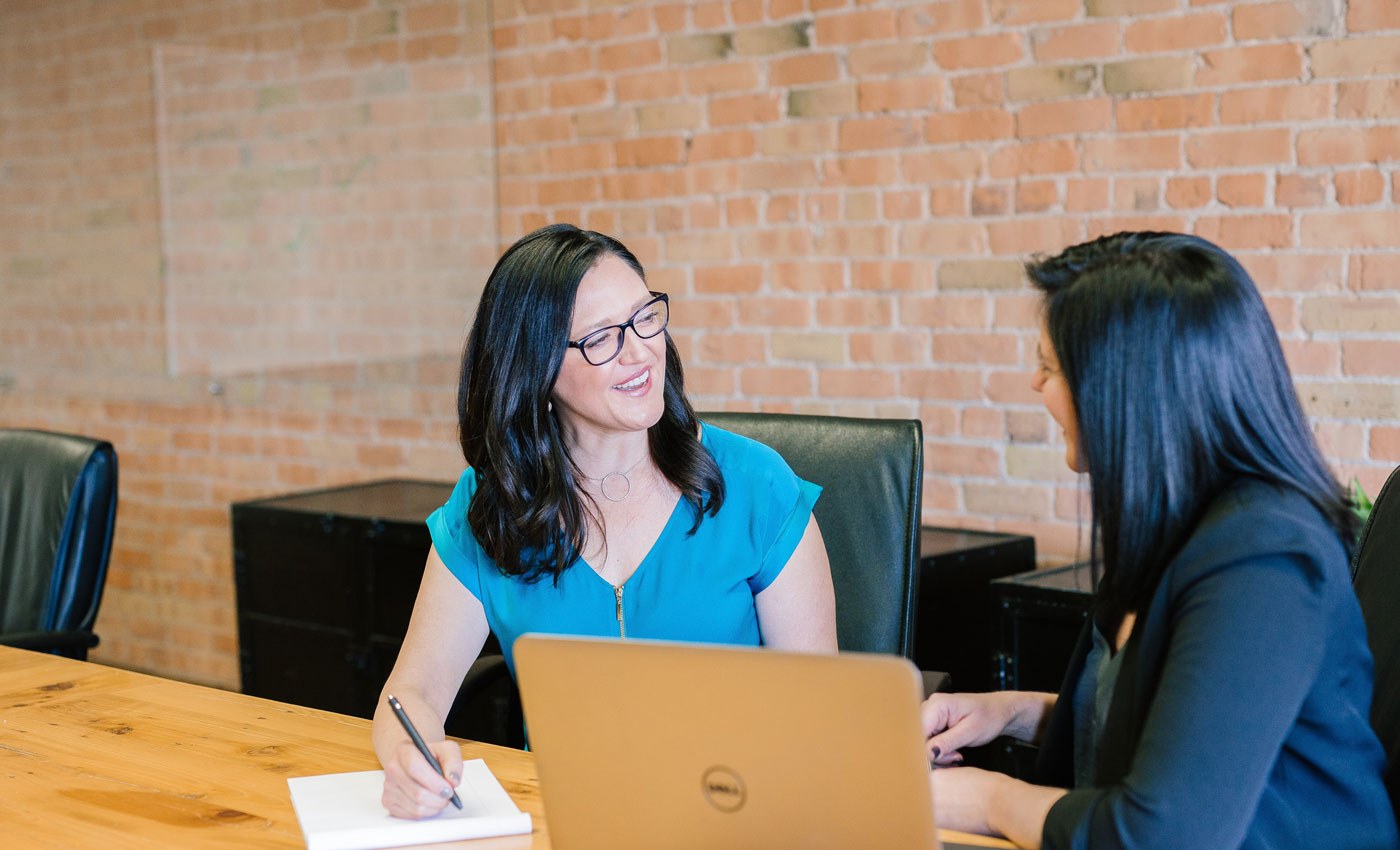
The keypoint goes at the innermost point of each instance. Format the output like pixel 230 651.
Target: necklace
pixel 609 484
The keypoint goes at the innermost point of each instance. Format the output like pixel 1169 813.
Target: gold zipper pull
pixel 621 620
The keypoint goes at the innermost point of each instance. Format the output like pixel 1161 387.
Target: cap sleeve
pixel 785 514
pixel 453 538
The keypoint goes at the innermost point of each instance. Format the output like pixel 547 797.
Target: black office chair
pixel 871 472
pixel 1376 571
pixel 58 507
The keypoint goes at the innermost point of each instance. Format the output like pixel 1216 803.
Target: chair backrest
pixel 58 503
pixel 871 474
pixel 1376 567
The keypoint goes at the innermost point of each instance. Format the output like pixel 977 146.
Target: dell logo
pixel 723 789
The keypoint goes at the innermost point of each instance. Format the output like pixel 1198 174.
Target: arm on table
pixel 444 637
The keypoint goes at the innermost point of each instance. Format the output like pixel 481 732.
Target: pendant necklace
pixel 609 484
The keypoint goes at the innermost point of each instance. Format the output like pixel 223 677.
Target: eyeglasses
pixel 604 344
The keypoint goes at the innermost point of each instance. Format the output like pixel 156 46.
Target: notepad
pixel 341 811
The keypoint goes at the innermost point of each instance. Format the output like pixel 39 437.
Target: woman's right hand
pixel 954 721
pixel 412 788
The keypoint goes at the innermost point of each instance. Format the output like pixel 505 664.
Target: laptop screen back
pixel 644 744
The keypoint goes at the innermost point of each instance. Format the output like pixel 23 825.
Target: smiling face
pixel 1050 382
pixel 626 393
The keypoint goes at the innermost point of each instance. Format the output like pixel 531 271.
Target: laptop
pixel 649 744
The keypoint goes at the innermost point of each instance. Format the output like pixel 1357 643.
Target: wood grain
pixel 98 757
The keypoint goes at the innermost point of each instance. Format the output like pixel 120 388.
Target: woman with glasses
pixel 596 503
pixel 1220 691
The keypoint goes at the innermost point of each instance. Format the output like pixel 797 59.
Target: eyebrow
pixel 604 323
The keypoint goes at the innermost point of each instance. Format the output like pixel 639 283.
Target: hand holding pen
pixel 446 793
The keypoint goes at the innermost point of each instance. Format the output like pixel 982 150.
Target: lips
pixel 636 382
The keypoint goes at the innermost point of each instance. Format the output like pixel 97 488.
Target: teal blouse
pixel 698 587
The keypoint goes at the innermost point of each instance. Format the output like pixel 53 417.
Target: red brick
pixel 1236 65
pixel 781 381
pixel 1267 21
pixel 856 383
pixel 1064 118
pixel 1366 15
pixel 1096 40
pixel 977 51
pixel 1040 157
pixel 1246 232
pixel 1170 34
pixel 1370 272
pixel 1085 194
pixel 1356 56
pixel 1349 145
pixel 879 60
pixel 744 109
pixel 981 124
pixel 1301 190
pixel 855 27
pixel 1369 99
pixel 1240 147
pixel 874 133
pixel 1276 104
pixel 924 20
pixel 1242 190
pixel 1028 235
pixel 1188 192
pixel 1358 188
pixel 1036 195
pixel 1372 229
pixel 804 70
pixel 1009 13
pixel 890 275
pixel 1132 153
pixel 722 145
pixel 971 91
pixel 951 384
pixel 1379 358
pixel 1141 194
pixel 908 93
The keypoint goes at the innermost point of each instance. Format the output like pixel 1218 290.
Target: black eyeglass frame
pixel 621 330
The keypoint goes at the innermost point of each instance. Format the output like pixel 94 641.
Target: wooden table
pixel 98 757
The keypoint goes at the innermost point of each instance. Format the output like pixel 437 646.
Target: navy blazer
pixel 1240 718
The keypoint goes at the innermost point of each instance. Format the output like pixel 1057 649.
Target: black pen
pixel 418 742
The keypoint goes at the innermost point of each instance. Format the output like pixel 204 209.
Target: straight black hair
pixel 1180 388
pixel 528 513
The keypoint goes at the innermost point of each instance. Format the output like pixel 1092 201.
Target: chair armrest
pixel 936 682
pixel 46 641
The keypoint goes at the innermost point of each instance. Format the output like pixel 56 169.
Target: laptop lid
pixel 646 744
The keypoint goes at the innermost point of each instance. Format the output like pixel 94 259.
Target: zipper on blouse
pixel 621 618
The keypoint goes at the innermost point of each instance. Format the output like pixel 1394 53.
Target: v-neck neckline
pixel 651 550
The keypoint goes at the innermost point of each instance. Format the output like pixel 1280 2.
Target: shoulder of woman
pixel 1254 522
pixel 465 487
pixel 737 453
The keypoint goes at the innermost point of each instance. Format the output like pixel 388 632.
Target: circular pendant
pixel 612 483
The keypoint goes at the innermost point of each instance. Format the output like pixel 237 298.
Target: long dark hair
pixel 528 513
pixel 1180 388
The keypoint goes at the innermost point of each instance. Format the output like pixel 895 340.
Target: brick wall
pixel 837 194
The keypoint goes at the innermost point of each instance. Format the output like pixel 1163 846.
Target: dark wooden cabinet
pixel 1039 616
pixel 955 629
pixel 325 584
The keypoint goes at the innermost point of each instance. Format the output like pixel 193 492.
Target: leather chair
pixel 58 505
pixel 1376 570
pixel 871 474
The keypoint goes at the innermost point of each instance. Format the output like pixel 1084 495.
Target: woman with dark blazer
pixel 1219 695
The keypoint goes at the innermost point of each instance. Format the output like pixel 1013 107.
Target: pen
pixel 418 742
